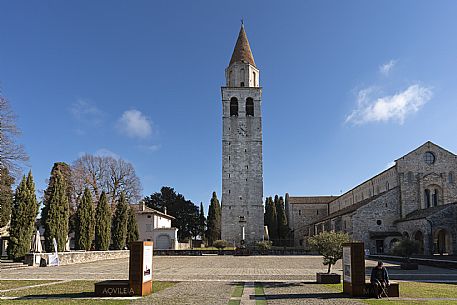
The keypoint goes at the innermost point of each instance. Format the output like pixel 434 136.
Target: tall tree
pixel 119 226
pixel 102 224
pixel 12 155
pixel 273 220
pixel 201 222
pixel 105 173
pixel 56 212
pixel 185 212
pixel 132 227
pixel 25 210
pixel 85 222
pixel 214 220
pixel 6 196
pixel 283 229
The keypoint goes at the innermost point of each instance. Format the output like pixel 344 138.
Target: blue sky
pixel 348 86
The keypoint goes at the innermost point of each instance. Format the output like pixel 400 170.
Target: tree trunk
pixel 329 268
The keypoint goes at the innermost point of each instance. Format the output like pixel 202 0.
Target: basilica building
pixel 416 198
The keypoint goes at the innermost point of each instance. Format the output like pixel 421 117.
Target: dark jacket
pixel 384 276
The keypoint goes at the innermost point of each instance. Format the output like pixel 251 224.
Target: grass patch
pixel 336 287
pixel 64 302
pixel 157 286
pixel 234 302
pixel 238 291
pixel 400 302
pixel 427 290
pixel 259 292
pixel 63 293
pixel 9 284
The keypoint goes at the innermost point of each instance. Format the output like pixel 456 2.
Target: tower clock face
pixel 242 129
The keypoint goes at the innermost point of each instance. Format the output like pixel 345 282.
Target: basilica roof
pixel 242 51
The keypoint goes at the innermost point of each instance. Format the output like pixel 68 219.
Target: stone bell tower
pixel 242 172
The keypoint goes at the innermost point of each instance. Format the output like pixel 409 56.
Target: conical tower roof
pixel 242 51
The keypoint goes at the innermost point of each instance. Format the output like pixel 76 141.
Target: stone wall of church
pixel 370 188
pixel 301 215
pixel 377 216
pixel 416 176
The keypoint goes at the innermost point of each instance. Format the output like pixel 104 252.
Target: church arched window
pixel 427 198
pixel 253 79
pixel 249 106
pixel 233 106
pixel 435 198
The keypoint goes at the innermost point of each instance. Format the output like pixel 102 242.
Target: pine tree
pixel 273 221
pixel 283 229
pixel 119 227
pixel 23 217
pixel 6 196
pixel 201 222
pixel 132 227
pixel 85 222
pixel 102 224
pixel 56 212
pixel 214 220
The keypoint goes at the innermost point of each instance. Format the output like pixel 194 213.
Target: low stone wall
pixel 439 262
pixel 76 257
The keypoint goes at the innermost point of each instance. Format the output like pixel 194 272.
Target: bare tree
pixel 12 155
pixel 105 173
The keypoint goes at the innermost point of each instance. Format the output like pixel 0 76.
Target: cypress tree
pixel 6 196
pixel 102 224
pixel 267 215
pixel 84 222
pixel 56 212
pixel 273 221
pixel 201 222
pixel 25 210
pixel 119 227
pixel 132 227
pixel 214 220
pixel 283 229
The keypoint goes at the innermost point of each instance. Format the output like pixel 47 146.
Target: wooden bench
pixel 393 290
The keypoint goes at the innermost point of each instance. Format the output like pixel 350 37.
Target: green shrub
pixel 406 248
pixel 329 245
pixel 264 245
pixel 220 244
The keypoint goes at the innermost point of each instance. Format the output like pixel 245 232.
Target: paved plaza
pixel 211 279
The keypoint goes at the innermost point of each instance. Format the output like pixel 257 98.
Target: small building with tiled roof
pixel 156 226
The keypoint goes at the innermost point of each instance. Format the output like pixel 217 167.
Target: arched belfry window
pixel 253 79
pixel 233 106
pixel 249 106
pixel 242 77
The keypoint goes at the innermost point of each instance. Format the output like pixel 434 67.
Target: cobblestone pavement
pixel 191 293
pixel 218 268
pixel 303 293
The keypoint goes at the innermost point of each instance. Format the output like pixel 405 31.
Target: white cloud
pixel 150 148
pixel 389 108
pixel 135 124
pixel 386 68
pixel 104 152
pixel 86 112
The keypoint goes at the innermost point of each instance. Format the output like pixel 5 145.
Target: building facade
pixel 242 172
pixel 416 198
pixel 156 226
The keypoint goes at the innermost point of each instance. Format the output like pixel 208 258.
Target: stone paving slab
pixel 303 293
pixel 218 268
pixel 191 293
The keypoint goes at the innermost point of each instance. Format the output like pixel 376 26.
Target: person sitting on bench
pixel 379 279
